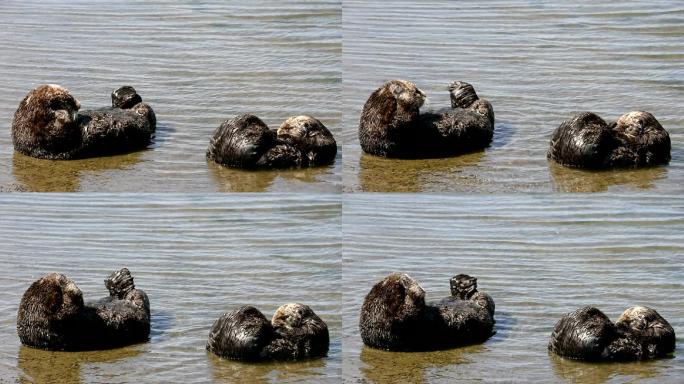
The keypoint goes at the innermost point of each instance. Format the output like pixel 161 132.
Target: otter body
pixel 391 124
pixel 295 332
pixel 587 334
pixel 636 139
pixel 246 142
pixel 395 316
pixel 53 316
pixel 48 125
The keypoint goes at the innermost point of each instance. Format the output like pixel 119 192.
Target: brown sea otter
pixel 48 125
pixel 246 142
pixel 391 124
pixel 394 315
pixel 295 332
pixel 636 139
pixel 52 315
pixel 587 334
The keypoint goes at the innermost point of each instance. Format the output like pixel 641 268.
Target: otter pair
pixel 391 125
pixel 52 315
pixel 394 316
pixel 48 125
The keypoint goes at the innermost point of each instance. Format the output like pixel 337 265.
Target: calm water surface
pixel 195 256
pixel 538 256
pixel 538 63
pixel 196 63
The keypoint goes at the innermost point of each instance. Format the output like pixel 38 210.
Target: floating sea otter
pixel 295 332
pixel 53 316
pixel 636 139
pixel 587 334
pixel 395 317
pixel 48 125
pixel 391 124
pixel 246 142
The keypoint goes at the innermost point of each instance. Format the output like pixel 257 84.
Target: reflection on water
pixel 229 371
pixel 65 175
pixel 378 174
pixel 411 367
pixel 240 180
pixel 574 371
pixel 38 366
pixel 566 179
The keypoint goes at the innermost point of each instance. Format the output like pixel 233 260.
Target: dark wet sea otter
pixel 48 125
pixel 587 334
pixel 391 124
pixel 52 315
pixel 636 139
pixel 395 316
pixel 247 142
pixel 295 332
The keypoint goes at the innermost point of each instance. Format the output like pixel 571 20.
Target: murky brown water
pixel 196 63
pixel 538 64
pixel 196 256
pixel 538 256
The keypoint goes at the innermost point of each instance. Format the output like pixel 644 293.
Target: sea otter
pixel 587 334
pixel 48 125
pixel 636 139
pixel 391 124
pixel 295 332
pixel 53 316
pixel 246 142
pixel 394 315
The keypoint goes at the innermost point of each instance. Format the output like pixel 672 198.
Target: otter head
pixel 46 118
pixel 405 93
pixel 462 94
pixel 637 123
pixel 292 315
pixel 654 333
pixel 463 286
pixel 125 97
pixel 399 295
pixel 53 297
pixel 310 136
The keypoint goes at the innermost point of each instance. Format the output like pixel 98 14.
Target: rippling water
pixel 196 257
pixel 538 256
pixel 538 63
pixel 196 63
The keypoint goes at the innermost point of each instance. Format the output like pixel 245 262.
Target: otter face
pixel 637 123
pixel 54 295
pixel 405 93
pixel 400 295
pixel 52 103
pixel 463 286
pixel 310 136
pixel 291 315
pixel 643 320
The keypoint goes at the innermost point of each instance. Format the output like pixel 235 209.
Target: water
pixel 197 63
pixel 539 256
pixel 538 64
pixel 196 256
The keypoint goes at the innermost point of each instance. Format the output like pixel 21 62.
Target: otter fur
pixel 295 332
pixel 246 142
pixel 636 139
pixel 587 334
pixel 52 315
pixel 391 124
pixel 48 125
pixel 394 315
